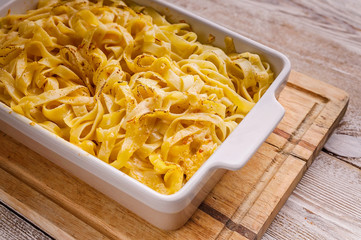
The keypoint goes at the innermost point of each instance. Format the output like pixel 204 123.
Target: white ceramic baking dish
pixel 164 211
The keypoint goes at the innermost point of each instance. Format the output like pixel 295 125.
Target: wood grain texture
pixel 42 211
pixel 244 202
pixel 322 40
pixel 344 145
pixel 317 209
pixel 12 227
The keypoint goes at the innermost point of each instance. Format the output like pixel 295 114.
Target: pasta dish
pixel 125 85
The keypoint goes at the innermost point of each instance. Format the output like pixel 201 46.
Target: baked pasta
pixel 125 85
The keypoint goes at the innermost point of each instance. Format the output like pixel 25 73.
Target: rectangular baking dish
pixel 164 211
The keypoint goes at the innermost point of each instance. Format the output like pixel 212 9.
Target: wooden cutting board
pixel 241 206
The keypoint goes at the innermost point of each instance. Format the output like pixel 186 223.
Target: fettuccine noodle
pixel 126 86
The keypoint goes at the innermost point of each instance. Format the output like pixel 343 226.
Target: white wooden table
pixel 323 40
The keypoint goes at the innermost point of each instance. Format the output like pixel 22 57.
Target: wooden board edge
pixel 26 200
pixel 334 100
pixel 308 152
pixel 283 182
pixel 317 86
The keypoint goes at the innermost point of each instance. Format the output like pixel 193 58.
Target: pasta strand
pixel 125 85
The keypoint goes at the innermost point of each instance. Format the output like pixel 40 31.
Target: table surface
pixel 323 40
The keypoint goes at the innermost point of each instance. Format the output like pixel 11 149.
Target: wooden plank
pixel 274 195
pixel 253 215
pixel 12 226
pixel 344 145
pixel 323 119
pixel 242 205
pixel 325 204
pixel 42 211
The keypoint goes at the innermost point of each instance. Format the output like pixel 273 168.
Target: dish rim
pixel 164 203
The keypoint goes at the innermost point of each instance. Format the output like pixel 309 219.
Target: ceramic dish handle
pixel 248 136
